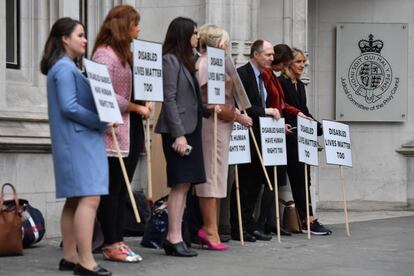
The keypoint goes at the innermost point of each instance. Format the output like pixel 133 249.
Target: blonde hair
pixel 212 36
pixel 287 71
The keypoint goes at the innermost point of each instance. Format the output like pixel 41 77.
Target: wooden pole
pixel 307 202
pixel 260 158
pixel 124 172
pixel 236 172
pixel 215 150
pixel 255 142
pixel 149 167
pixel 277 203
pixel 342 180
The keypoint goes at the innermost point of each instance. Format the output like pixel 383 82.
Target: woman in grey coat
pixel 78 148
pixel 180 125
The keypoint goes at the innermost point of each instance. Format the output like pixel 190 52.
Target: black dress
pixel 189 168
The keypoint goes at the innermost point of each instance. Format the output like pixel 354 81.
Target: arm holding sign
pixel 68 99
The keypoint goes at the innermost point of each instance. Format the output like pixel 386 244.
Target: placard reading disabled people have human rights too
pixel 239 149
pixel 216 77
pixel 103 92
pixel 307 141
pixel 147 68
pixel 273 138
pixel 337 143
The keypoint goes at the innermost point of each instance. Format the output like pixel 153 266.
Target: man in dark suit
pixel 251 175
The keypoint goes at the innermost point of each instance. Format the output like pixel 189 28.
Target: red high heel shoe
pixel 203 238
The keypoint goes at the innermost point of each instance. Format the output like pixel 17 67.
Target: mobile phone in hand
pixel 187 150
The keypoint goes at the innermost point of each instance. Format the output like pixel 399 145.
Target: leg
pixel 67 228
pixel 208 207
pixel 83 229
pixel 296 173
pixel 176 206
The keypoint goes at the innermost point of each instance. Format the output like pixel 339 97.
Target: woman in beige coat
pixel 209 192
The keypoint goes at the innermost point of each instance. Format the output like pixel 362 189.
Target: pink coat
pixel 121 77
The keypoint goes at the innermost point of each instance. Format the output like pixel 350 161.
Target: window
pixel 12 34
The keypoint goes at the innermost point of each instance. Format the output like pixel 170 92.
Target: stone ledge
pixel 23 116
pixel 407 149
pixel 365 205
pixel 25 145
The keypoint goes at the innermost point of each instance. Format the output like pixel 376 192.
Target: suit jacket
pixel 248 79
pixel 78 148
pixel 296 98
pixel 179 112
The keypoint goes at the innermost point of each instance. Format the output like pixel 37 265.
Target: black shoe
pixel 179 249
pixel 97 270
pixel 316 228
pixel 66 265
pixel 225 238
pixel 246 236
pixel 261 236
pixel 272 229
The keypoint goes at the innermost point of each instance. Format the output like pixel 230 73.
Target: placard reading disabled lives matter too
pixel 103 92
pixel 239 149
pixel 337 143
pixel 147 64
pixel 273 138
pixel 307 141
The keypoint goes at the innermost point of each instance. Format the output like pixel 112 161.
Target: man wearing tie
pixel 251 175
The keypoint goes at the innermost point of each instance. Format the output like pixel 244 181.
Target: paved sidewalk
pixel 376 247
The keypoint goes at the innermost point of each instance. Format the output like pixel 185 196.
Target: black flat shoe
pixel 246 236
pixel 66 265
pixel 261 236
pixel 272 229
pixel 97 270
pixel 178 249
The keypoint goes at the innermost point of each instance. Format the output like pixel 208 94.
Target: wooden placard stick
pixel 149 166
pixel 236 172
pixel 277 203
pixel 342 180
pixel 124 172
pixel 307 202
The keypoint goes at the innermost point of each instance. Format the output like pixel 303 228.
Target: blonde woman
pixel 208 193
pixel 295 95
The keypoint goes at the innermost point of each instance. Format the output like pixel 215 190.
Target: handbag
pixel 33 223
pixel 227 113
pixel 291 218
pixel 10 225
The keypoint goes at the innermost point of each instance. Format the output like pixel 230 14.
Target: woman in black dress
pixel 180 125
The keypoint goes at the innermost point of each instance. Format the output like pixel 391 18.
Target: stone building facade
pixel 383 173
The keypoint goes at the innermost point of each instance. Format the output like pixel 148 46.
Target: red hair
pixel 115 29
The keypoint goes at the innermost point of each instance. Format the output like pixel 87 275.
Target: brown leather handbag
pixel 227 113
pixel 291 218
pixel 10 225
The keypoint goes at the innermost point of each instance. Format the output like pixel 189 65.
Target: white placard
pixel 273 137
pixel 103 92
pixel 307 141
pixel 216 77
pixel 337 143
pixel 147 69
pixel 239 150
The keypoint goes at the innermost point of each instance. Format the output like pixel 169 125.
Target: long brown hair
pixel 114 31
pixel 54 48
pixel 178 41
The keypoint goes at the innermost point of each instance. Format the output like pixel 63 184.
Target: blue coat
pixel 78 148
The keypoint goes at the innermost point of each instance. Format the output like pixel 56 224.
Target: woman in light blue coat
pixel 78 148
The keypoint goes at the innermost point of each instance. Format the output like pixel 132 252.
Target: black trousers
pixel 111 211
pixel 268 207
pixel 296 173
